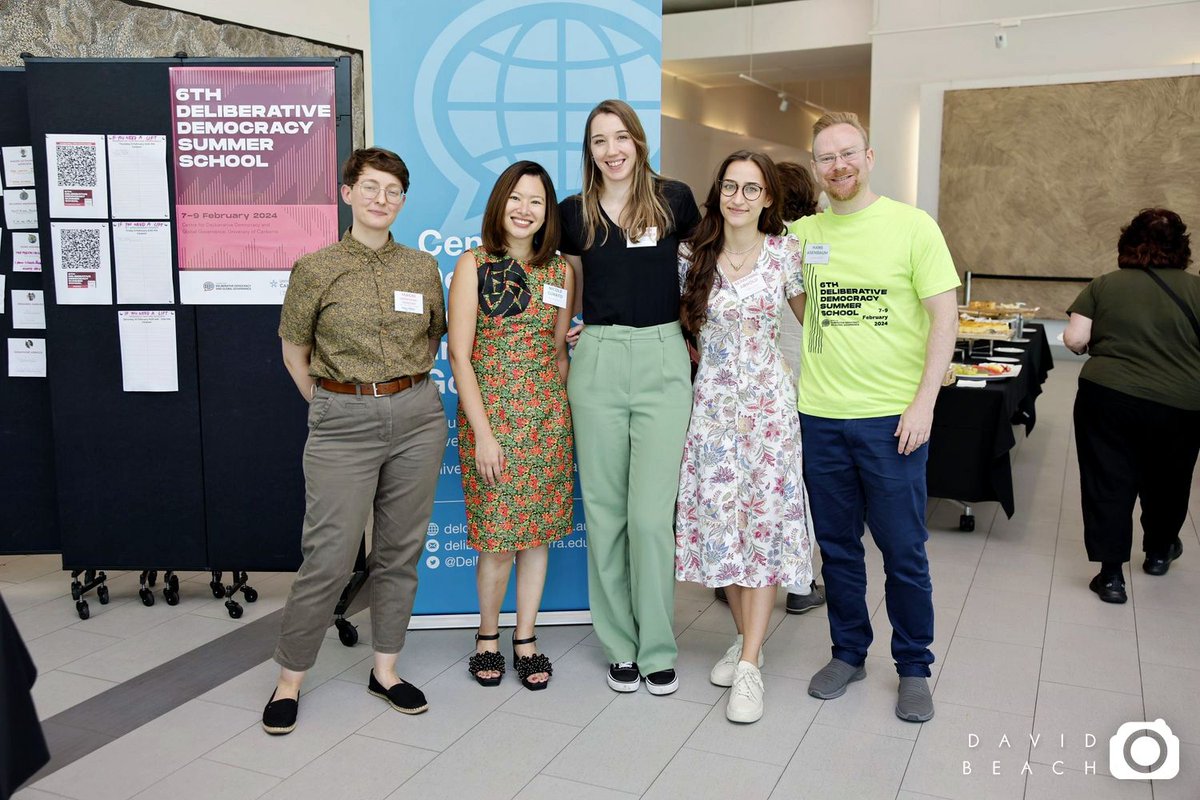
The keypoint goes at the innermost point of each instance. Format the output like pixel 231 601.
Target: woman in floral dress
pixel 740 518
pixel 510 304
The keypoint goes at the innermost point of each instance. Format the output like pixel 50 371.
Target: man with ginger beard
pixel 879 327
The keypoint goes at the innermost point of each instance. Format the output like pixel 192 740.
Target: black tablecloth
pixel 973 427
pixel 22 747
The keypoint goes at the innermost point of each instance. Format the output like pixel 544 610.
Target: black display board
pixel 208 477
pixel 29 523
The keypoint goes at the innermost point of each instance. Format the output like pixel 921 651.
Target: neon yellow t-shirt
pixel 865 275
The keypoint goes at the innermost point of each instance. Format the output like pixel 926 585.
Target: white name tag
pixel 750 285
pixel 410 302
pixel 649 238
pixel 816 254
pixel 554 295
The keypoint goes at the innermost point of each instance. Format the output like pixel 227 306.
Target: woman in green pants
pixel 630 390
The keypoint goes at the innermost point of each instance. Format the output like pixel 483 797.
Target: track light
pixel 783 102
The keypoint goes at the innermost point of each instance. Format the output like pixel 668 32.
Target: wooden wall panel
pixel 1039 180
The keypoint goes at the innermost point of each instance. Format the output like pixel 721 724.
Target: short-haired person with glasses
pixel 740 519
pixel 880 320
pixel 361 324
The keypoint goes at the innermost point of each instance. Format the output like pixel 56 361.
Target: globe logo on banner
pixel 507 83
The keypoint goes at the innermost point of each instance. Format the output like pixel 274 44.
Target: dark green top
pixel 1142 344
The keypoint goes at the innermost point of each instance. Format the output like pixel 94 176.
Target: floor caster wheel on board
pixel 251 595
pixel 172 584
pixel 966 522
pixel 81 608
pixel 76 590
pixel 346 632
pixel 235 610
pixel 152 578
pixel 218 590
pixel 171 596
pixel 102 595
pixel 147 597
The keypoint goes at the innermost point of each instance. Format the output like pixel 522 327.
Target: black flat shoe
pixel 404 697
pixel 1111 588
pixel 1159 564
pixel 279 717
pixel 531 665
pixel 486 661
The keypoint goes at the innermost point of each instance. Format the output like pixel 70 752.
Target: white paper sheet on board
pixel 137 173
pixel 20 209
pixel 82 265
pixel 149 362
pixel 77 172
pixel 27 251
pixel 27 358
pixel 18 165
pixel 143 262
pixel 28 309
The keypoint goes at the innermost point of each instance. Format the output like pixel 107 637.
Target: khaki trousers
pixel 364 454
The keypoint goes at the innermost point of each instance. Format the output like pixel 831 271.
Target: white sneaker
pixel 746 696
pixel 723 670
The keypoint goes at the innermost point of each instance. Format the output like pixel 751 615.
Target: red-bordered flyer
pixel 255 156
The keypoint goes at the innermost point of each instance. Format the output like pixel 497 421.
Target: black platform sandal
pixel 487 661
pixel 531 665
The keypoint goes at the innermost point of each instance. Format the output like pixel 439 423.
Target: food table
pixel 973 427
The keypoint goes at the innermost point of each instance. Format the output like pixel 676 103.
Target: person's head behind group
pixel 798 191
pixel 1155 239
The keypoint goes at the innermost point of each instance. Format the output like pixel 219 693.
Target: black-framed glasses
pixel 371 190
pixel 750 191
pixel 829 159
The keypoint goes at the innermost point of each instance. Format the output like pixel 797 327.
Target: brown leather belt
pixel 374 389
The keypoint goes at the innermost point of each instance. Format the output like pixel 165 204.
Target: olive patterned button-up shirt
pixel 342 301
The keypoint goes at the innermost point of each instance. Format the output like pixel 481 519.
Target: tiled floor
pixel 1031 667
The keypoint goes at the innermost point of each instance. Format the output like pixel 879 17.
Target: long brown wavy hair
pixel 646 206
pixel 708 238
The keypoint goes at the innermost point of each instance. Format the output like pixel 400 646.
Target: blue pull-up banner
pixel 461 90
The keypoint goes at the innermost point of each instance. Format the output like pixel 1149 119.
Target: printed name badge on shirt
pixel 410 302
pixel 649 238
pixel 816 253
pixel 554 295
pixel 750 285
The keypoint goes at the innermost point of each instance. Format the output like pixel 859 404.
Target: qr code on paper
pixel 80 248
pixel 76 164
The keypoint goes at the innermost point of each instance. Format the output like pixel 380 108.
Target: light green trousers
pixel 631 399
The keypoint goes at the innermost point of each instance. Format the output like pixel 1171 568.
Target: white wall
pixel 950 45
pixel 774 28
pixel 345 23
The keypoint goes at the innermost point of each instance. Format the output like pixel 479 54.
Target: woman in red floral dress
pixel 510 303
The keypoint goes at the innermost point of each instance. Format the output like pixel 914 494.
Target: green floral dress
pixel 526 403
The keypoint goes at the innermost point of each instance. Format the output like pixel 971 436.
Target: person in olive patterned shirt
pixel 361 323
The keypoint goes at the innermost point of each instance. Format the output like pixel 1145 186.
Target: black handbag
pixel 1187 312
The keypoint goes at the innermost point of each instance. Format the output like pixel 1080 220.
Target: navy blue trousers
pixel 853 472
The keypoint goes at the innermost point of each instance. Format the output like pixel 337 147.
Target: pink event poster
pixel 255 154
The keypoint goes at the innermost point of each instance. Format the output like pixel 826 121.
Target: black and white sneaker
pixel 665 681
pixel 624 676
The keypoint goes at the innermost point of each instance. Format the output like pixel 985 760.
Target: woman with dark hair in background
pixel 740 520
pixel 1137 412
pixel 510 307
pixel 630 390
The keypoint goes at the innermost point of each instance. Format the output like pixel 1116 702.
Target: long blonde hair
pixel 646 207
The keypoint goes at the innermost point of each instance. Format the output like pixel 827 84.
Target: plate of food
pixel 984 329
pixel 990 308
pixel 985 371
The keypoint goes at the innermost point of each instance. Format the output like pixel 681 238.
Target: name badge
pixel 816 254
pixel 750 285
pixel 554 295
pixel 649 238
pixel 410 302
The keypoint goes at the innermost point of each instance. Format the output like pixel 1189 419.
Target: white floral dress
pixel 741 515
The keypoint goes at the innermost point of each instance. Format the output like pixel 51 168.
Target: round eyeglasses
pixel 750 191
